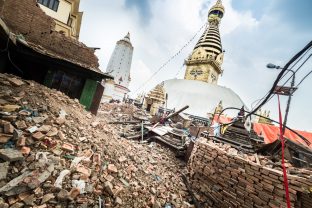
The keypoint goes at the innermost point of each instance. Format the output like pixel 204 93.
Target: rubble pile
pixel 55 154
pixel 224 177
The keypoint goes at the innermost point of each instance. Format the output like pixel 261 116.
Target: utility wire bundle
pixel 283 73
pixel 296 59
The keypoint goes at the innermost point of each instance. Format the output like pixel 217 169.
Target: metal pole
pixel 288 102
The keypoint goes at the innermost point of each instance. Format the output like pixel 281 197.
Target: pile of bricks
pixel 222 177
pixel 53 153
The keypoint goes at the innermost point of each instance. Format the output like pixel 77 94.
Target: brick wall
pixel 224 178
pixel 26 18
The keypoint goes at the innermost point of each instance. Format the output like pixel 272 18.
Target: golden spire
pixel 207 57
pixel 216 12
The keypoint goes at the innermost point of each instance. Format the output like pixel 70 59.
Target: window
pixel 52 4
pixel 70 21
pixel 71 85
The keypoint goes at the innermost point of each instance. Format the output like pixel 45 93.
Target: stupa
pixel 199 89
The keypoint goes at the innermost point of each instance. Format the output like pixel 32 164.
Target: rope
pixel 283 154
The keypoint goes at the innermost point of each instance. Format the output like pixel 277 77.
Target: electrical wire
pixel 293 75
pixel 303 79
pixel 288 71
pixel 7 46
pixel 14 65
pixel 170 59
pixel 279 77
pixel 176 76
pixel 298 69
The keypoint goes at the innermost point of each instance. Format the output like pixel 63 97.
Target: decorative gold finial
pixel 218 6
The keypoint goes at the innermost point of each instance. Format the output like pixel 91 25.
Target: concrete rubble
pixel 44 133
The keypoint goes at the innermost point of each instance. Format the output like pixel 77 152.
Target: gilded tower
pixel 204 64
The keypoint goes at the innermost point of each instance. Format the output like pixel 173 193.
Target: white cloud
pixel 233 19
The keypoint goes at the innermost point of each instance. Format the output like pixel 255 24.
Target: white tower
pixel 119 67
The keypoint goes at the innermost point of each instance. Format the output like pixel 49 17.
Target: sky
pixel 254 33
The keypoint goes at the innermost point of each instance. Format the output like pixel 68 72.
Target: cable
pixel 292 75
pixel 286 74
pixel 14 65
pixel 300 58
pixel 303 78
pixel 7 46
pixel 297 69
pixel 279 77
pixel 170 59
pixel 176 76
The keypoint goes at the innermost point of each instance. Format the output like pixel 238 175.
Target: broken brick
pixel 112 168
pixel 74 192
pixel 25 150
pixel 38 135
pixel 83 170
pixel 68 147
pixel 8 128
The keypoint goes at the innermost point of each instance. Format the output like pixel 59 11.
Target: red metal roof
pixel 270 133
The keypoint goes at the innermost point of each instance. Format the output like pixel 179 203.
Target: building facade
pixel 65 14
pixel 119 67
pixel 204 64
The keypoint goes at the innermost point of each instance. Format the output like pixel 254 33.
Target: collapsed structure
pixel 55 154
pixel 33 49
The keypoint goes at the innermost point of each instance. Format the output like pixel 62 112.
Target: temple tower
pixel 119 66
pixel 155 99
pixel 204 64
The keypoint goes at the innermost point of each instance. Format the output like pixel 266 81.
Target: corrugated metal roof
pixel 202 97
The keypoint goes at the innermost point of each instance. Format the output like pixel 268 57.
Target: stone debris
pixel 11 155
pixel 46 131
pixel 4 167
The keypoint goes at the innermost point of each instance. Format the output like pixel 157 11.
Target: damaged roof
pixel 25 23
